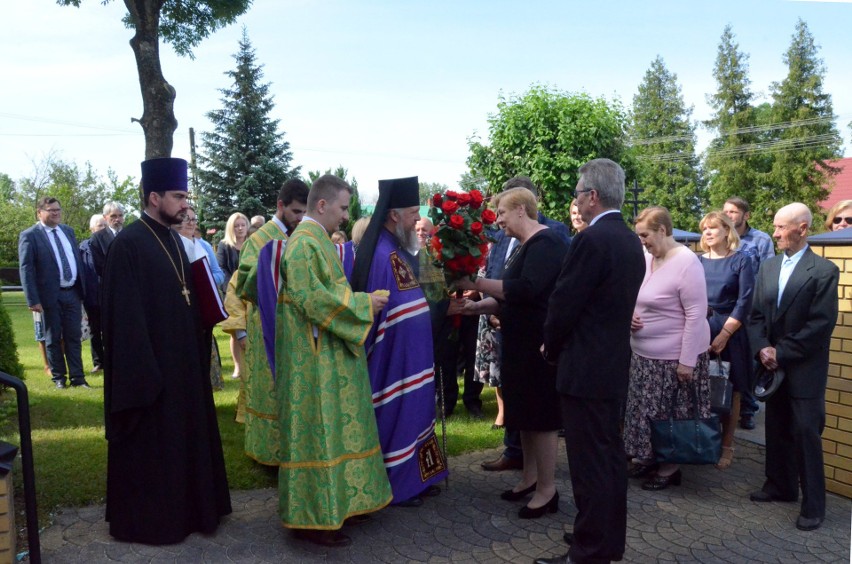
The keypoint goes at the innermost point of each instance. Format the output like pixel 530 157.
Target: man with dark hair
pixel 757 245
pixel 331 468
pixel 165 468
pixel 402 370
pixel 52 278
pixel 261 425
pixel 587 333
pixel 794 314
pixel 502 248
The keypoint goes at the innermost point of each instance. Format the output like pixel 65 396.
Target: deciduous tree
pixel 183 24
pixel 547 134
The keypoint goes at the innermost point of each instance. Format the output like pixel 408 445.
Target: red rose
pixel 488 217
pixel 449 206
pixel 483 249
pixel 452 195
pixel 456 221
pixel 436 243
pixel 464 199
pixel 436 200
pixel 455 264
pixel 476 199
pixel 476 228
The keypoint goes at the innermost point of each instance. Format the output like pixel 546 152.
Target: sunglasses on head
pixel 847 220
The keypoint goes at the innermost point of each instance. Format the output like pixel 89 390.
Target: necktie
pixel 66 266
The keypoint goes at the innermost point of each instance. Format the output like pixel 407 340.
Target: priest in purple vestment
pixel 399 352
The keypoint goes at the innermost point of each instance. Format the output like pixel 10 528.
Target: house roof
pixel 842 189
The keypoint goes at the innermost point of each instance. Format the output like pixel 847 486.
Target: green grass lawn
pixel 68 433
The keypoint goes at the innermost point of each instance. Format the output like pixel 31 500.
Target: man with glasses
pixel 52 277
pixel 587 333
pixel 757 245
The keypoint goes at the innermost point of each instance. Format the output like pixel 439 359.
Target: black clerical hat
pixel 163 174
pixel 399 192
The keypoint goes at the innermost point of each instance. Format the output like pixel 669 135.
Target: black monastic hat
pixel 393 193
pixel 163 174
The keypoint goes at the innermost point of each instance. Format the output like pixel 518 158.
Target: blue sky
pixel 384 88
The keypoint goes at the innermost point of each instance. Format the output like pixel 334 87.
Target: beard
pixel 407 239
pixel 171 218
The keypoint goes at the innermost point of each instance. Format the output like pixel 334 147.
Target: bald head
pixel 424 230
pixel 791 227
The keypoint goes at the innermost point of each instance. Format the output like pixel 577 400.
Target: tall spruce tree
pixel 245 159
pixel 663 139
pixel 805 135
pixel 737 162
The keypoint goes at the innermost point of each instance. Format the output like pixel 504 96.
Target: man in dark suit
pixel 588 333
pixel 793 316
pixel 99 245
pixel 51 275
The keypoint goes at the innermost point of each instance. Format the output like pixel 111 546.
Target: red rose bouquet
pixel 460 242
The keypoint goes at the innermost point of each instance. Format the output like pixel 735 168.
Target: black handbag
pixel 686 441
pixel 721 388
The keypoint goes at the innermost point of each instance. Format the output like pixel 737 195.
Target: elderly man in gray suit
pixel 793 316
pixel 52 278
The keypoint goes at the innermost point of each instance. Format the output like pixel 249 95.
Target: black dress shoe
pixel 808 523
pixel 568 538
pixel 334 539
pixel 80 384
pixel 60 385
pixel 503 463
pixel 564 559
pixel 662 482
pixel 357 519
pixel 552 506
pixel 761 496
pixel 431 491
pixel 512 495
pixel 413 502
pixel 475 412
pixel 638 470
pixel 747 422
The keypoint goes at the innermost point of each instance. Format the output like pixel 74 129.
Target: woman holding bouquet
pixel 529 383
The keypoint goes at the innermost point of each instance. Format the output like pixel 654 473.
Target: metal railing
pixel 26 464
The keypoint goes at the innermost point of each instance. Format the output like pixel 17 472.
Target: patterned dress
pixel 331 463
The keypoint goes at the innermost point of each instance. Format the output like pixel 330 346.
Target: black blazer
pixel 800 327
pixel 99 245
pixel 589 313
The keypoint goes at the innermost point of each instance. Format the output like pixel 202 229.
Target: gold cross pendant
pixel 185 293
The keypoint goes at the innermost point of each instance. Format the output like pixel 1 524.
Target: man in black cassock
pixel 165 468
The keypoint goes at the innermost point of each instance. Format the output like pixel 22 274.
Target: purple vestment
pixel 402 377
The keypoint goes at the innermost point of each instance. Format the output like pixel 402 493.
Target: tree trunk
pixel 158 96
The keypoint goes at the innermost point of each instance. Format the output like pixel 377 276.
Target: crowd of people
pixel 590 338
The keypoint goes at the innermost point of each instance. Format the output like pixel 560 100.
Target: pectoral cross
pixel 185 293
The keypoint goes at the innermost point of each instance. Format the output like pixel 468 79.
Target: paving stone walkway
pixel 709 518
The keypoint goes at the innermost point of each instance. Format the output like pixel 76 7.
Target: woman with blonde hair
pixel 529 383
pixel 577 221
pixel 228 257
pixel 839 216
pixel 730 284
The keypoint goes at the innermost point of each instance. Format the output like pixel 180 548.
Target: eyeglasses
pixel 52 210
pixel 191 220
pixel 838 219
pixel 578 192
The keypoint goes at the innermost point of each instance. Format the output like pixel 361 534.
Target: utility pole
pixel 199 209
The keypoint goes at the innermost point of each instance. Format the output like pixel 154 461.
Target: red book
pixel 207 295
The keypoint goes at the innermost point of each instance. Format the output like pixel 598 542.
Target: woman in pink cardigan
pixel 670 337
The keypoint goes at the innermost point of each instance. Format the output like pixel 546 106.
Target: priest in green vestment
pixel 332 468
pixel 261 418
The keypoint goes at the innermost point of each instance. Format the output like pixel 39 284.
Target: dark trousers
pixel 794 450
pixel 466 346
pixel 62 333
pixel 96 343
pixel 512 442
pixel 748 404
pixel 597 462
